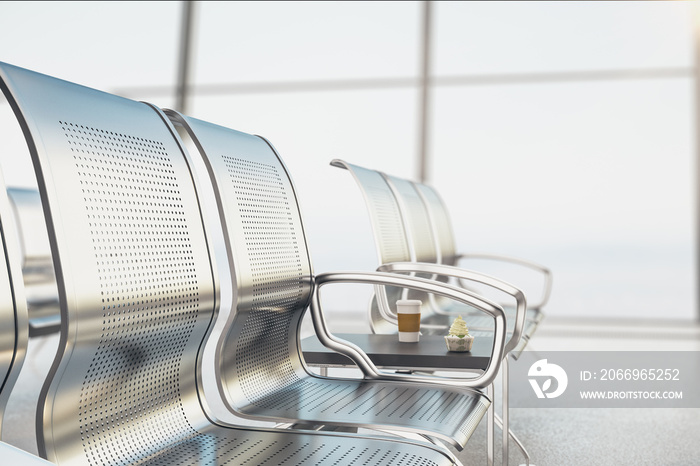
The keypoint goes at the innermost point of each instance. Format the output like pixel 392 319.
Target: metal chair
pixel 13 306
pixel 405 243
pixel 261 371
pixel 424 226
pixel 405 238
pixel 37 264
pixel 137 294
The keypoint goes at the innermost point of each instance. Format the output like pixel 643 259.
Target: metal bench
pixel 405 244
pixel 404 234
pixel 422 232
pixel 137 295
pixel 260 365
pixel 13 306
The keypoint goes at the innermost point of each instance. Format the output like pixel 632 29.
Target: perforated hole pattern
pixel 443 226
pixel 130 410
pixel 130 397
pixel 211 450
pixel 263 356
pixel 424 244
pixel 392 240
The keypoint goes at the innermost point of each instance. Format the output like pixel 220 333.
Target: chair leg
pixel 490 426
pixel 517 442
pixel 504 410
pixel 504 424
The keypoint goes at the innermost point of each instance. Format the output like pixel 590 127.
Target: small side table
pixel 385 351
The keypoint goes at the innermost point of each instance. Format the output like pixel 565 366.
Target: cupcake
pixel 458 339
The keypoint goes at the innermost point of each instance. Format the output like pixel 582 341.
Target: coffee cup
pixel 408 312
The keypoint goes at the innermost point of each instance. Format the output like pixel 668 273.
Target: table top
pixel 430 353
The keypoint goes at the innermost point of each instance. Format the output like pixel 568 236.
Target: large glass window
pixel 567 162
pixel 562 132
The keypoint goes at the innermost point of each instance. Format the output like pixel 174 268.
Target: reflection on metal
pixel 424 110
pixel 184 58
pixel 416 226
pixel 273 284
pixel 398 220
pixel 137 295
pixel 13 310
pixel 37 264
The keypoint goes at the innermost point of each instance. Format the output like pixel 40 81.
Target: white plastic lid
pixel 409 302
pixel 408 306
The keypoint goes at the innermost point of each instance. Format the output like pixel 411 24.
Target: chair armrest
pixel 547 288
pixel 363 361
pixel 468 275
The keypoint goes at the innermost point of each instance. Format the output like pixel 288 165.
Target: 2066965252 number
pixel 640 374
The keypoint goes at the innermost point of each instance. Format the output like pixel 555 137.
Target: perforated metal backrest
pixel 416 218
pixel 385 216
pixel 134 274
pixel 389 234
pixel 13 308
pixel 440 221
pixel 267 249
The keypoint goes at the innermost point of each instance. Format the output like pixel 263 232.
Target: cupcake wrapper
pixel 457 344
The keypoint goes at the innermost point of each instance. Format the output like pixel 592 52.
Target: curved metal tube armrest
pixel 383 305
pixel 547 287
pixel 376 278
pixel 462 274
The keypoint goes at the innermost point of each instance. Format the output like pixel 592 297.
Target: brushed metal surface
pixel 385 216
pixel 422 240
pixel 261 372
pixel 416 220
pixel 137 295
pixel 366 365
pixel 421 233
pixel 391 228
pixel 423 216
pixel 37 265
pixel 426 212
pixel 441 223
pixel 515 317
pixel 13 306
pixel 390 239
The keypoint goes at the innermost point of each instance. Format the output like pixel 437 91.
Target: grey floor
pixel 572 436
pixel 612 436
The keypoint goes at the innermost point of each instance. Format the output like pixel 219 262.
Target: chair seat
pixel 451 414
pixel 218 445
